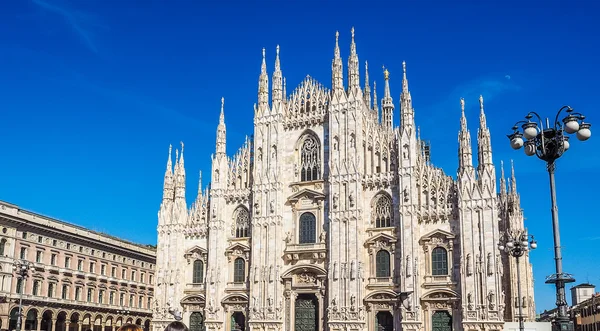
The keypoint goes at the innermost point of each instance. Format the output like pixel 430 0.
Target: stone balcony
pixel 380 282
pixel 315 252
pixel 194 288
pixel 236 287
pixel 440 281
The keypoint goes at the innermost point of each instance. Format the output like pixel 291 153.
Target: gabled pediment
pixel 437 233
pixel 78 282
pixel 113 288
pixel 66 280
pixel 196 249
pixel 90 284
pixel 53 278
pixel 380 237
pixel 237 247
pixel 306 194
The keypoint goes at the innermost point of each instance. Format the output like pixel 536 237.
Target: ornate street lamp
pixel 21 269
pixel 549 143
pixel 516 244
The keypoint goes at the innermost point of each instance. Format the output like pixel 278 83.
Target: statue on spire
pixel 386 73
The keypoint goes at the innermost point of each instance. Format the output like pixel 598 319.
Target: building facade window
pixel 67 262
pixel 38 256
pixel 142 277
pixel 123 274
pixel 133 275
pixel 310 158
pixel 242 223
pixel 122 299
pixel 103 270
pixel 140 302
pixel 24 235
pixel 80 265
pixel 101 296
pixel 51 290
pixel 65 292
pixel 111 298
pixel 40 239
pixel 382 264
pixel 307 229
pixel 383 211
pixel 239 270
pixel 2 246
pixel 90 295
pixel 198 273
pixel 23 253
pixel 92 267
pixel 53 259
pixel 439 262
pixel 113 272
pixel 36 287
pixel 78 293
pixel 131 300
pixel 19 288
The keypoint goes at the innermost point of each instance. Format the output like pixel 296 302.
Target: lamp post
pixel 549 143
pixel 516 244
pixel 21 269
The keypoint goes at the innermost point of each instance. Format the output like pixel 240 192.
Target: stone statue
pixel 408 266
pixel 256 208
pixel 491 300
pixel 335 270
pixel 353 301
pixel 323 236
pixel 470 301
pixel 353 269
pixel 272 206
pixel 288 237
pixel 351 199
pixel 336 198
pixel 469 265
pixel 490 264
pixel 273 153
pixel 502 297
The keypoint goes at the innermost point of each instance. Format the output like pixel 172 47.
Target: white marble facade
pixel 333 218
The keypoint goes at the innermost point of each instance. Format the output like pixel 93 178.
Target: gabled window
pixel 198 273
pixel 242 223
pixel 382 264
pixel 439 262
pixel 308 228
pixel 239 270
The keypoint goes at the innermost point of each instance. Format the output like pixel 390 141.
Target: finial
pixel 222 103
pixel 337 36
pixel 367 65
pixel 352 32
pixel 404 67
pixel 386 73
pixel 481 102
pixel 170 148
pixel 264 53
pixel 462 104
pixel 181 142
pixel 276 51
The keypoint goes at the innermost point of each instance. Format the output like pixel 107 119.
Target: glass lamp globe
pixel 530 130
pixel 584 132
pixel 516 142
pixel 525 243
pixel 566 143
pixel 571 124
pixel 14 267
pixel 510 244
pixel 530 148
pixel 533 245
pixel 501 247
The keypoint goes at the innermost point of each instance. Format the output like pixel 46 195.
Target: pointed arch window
pixel 382 264
pixel 242 223
pixel 310 159
pixel 383 211
pixel 308 229
pixel 239 270
pixel 198 272
pixel 439 262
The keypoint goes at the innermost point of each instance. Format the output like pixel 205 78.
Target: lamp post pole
pixel 21 269
pixel 549 143
pixel 516 244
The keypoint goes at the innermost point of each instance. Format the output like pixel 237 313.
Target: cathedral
pixel 330 217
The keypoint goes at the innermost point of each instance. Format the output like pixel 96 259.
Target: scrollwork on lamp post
pixel 516 244
pixel 21 269
pixel 549 143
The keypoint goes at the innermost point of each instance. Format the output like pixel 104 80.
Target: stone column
pixel 52 325
pixel 39 323
pixel 321 304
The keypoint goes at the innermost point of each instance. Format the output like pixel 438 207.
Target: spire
pixel 284 90
pixel 277 81
pixel 168 186
pixel 353 71
pixel 513 179
pixel 367 87
pixel 375 106
pixel 337 70
pixel 465 154
pixel 407 113
pixel 263 86
pixel 180 175
pixel 387 105
pixel 484 143
pixel 502 179
pixel 200 184
pixel 221 130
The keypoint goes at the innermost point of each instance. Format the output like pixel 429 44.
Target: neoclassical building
pixel 82 280
pixel 333 218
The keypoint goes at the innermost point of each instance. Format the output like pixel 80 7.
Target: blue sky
pixel 93 92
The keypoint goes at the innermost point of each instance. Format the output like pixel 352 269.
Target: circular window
pixel 4 230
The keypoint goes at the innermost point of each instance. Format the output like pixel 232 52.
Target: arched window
pixel 310 159
pixel 308 229
pixel 239 270
pixel 2 246
pixel 383 211
pixel 198 273
pixel 242 223
pixel 382 264
pixel 439 262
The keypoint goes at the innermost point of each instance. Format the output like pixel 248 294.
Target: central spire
pixel 353 71
pixel 263 86
pixel 277 84
pixel 387 105
pixel 221 131
pixel 465 153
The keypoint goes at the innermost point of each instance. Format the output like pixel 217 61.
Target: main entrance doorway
pixel 307 313
pixel 441 321
pixel 238 321
pixel 197 321
pixel 384 321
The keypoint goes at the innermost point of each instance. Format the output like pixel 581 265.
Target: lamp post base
pixel 562 325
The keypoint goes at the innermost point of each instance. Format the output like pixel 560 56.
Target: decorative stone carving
pixel 323 236
pixel 469 265
pixel 306 278
pixel 490 264
pixel 336 198
pixel 470 304
pixel 491 300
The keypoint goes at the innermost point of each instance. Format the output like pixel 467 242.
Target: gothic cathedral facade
pixel 332 218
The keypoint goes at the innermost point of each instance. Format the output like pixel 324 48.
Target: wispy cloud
pixel 76 20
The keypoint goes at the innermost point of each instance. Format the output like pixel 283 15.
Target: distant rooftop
pixel 584 285
pixel 38 215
